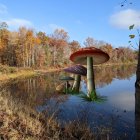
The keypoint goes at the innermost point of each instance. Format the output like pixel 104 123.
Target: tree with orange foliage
pixel 4 33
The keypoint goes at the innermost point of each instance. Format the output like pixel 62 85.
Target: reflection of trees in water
pixel 105 75
pixel 34 90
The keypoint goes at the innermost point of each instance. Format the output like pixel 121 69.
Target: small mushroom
pixel 89 56
pixel 78 70
pixel 60 87
pixel 67 79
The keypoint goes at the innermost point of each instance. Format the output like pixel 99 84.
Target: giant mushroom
pixel 78 70
pixel 89 56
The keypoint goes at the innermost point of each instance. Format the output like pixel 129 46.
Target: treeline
pixel 27 48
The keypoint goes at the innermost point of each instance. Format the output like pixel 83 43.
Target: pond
pixel 116 113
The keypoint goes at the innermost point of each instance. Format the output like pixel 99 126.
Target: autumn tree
pixel 25 48
pixel 108 49
pixel 89 42
pixel 29 51
pixel 74 46
pixel 44 43
pixel 4 34
pixel 13 41
pixel 58 43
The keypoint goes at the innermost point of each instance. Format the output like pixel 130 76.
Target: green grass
pixel 94 97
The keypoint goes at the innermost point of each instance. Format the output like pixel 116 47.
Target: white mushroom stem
pixel 90 76
pixel 76 84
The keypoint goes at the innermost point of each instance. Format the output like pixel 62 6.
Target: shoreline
pixel 26 72
pixel 115 64
pixel 20 121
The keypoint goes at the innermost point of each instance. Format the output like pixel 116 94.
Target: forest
pixel 28 48
pixel 47 95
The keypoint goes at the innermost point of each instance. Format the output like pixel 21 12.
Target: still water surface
pixel 116 113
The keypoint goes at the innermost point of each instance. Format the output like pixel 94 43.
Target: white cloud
pixel 16 23
pixel 125 18
pixel 13 23
pixel 54 27
pixel 3 9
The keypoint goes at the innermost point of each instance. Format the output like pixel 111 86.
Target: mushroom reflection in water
pixel 89 56
pixel 78 70
pixel 67 79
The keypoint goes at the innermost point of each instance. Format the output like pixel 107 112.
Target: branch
pixel 133 46
pixel 138 32
pixel 137 44
pixel 122 3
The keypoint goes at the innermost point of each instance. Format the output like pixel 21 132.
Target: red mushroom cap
pixel 80 56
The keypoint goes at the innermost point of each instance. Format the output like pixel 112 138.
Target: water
pixel 116 113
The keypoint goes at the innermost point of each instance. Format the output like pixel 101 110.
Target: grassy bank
pixel 116 64
pixel 19 74
pixel 18 121
pixel 10 73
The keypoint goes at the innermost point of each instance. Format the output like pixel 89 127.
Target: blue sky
pixel 101 19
